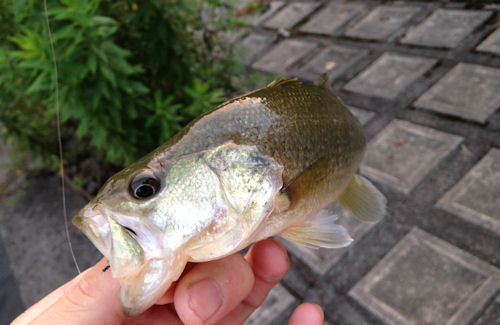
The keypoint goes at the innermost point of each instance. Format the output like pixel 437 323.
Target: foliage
pixel 131 73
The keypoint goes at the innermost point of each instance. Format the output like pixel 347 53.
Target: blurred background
pixel 423 77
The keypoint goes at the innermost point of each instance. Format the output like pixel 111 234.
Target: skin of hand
pixel 224 291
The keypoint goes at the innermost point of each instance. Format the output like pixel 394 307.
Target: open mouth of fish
pixel 96 227
pixel 132 259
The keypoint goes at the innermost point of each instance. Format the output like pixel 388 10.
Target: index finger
pixel 90 298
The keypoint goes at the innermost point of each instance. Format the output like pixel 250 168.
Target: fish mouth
pixel 142 284
pixel 96 227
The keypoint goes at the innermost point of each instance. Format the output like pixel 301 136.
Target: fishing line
pixel 59 139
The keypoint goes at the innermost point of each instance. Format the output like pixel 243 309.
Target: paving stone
pixel 284 55
pixel 391 155
pixel 321 260
pixel 469 91
pixel 253 45
pixel 277 303
pixel 491 314
pixel 333 60
pixel 332 18
pixel 389 75
pixel 491 44
pixel 290 15
pixel 425 280
pixel 446 27
pixel 362 115
pixel 274 6
pixel 382 23
pixel 476 197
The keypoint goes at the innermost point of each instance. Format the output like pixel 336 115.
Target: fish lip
pixel 94 225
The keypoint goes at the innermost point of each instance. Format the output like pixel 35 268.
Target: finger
pixel 310 314
pixel 156 315
pixel 168 297
pixel 34 311
pixel 269 263
pixel 90 298
pixel 211 290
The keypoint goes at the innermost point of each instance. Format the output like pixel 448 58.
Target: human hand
pixel 224 291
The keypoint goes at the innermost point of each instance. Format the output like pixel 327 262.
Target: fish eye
pixel 144 187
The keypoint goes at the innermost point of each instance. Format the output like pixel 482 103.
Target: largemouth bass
pixel 262 164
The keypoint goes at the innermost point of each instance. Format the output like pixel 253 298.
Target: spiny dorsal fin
pixel 321 231
pixel 323 81
pixel 363 200
pixel 285 82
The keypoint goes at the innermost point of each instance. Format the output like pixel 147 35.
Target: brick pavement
pixel 424 80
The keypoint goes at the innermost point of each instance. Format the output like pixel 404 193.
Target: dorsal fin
pixel 285 82
pixel 323 81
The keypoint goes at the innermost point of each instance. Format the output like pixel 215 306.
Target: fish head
pixel 150 219
pixel 143 216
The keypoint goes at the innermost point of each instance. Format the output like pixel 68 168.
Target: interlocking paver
pixel 491 44
pixel 425 280
pixel 476 197
pixel 390 74
pixel 290 15
pixel 284 55
pixel 446 27
pixel 321 260
pixel 253 45
pixel 382 23
pixel 362 115
pixel 391 155
pixel 469 91
pixel 332 18
pixel 277 302
pixel 333 60
pixel 274 6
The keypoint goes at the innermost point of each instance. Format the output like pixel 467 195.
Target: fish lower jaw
pixel 141 291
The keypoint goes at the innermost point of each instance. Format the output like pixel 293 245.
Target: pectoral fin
pixel 363 200
pixel 321 231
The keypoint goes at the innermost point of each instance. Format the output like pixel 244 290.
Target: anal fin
pixel 363 200
pixel 321 231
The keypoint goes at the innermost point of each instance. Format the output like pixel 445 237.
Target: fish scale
pixel 310 124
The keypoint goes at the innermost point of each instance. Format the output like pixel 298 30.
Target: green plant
pixel 131 74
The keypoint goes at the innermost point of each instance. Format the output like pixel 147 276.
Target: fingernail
pixel 205 298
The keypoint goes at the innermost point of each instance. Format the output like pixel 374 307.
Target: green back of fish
pixel 297 124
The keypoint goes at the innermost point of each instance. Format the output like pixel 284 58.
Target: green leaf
pixel 92 63
pixel 39 84
pixel 108 74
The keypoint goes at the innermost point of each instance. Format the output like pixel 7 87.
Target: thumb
pixel 90 298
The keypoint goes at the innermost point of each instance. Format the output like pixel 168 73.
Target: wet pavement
pixel 424 79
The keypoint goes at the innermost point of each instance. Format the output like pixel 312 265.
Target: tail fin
pixel 363 200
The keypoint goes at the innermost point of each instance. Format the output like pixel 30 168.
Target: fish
pixel 263 164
